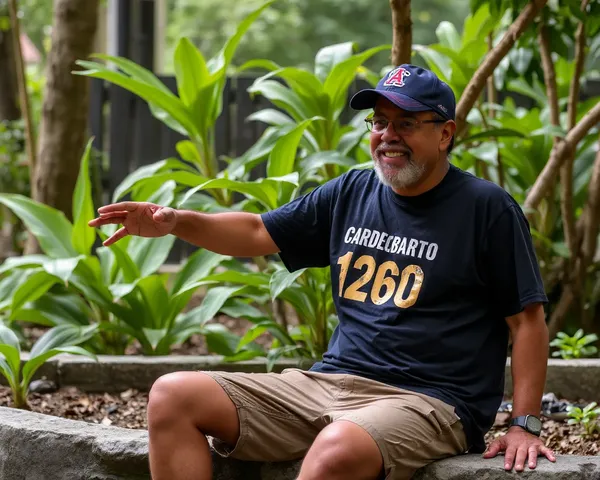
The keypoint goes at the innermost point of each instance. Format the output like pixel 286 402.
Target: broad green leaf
pixel 83 236
pixel 32 289
pixel 550 130
pixel 155 298
pixel 254 332
pixel 250 279
pixel 22 261
pixel 283 157
pixel 147 171
pixel 190 70
pixel 341 77
pixel 437 62
pixel 276 353
pixel 236 308
pixel 223 58
pixel 479 24
pixel 270 117
pixel 62 336
pixel 10 348
pixel 123 266
pixel 199 265
pixel 281 280
pixel 11 377
pixel 189 152
pixel 520 58
pixel 258 63
pixel 320 159
pixel 48 225
pixel 302 82
pixel 150 253
pixel 155 336
pixel 493 133
pixel 521 86
pixel 135 71
pixel 36 362
pixel 56 309
pixel 9 285
pixel 448 35
pixel 219 340
pixel 62 268
pixel 284 98
pixel 151 94
pixel 245 355
pixel 330 56
pixel 264 190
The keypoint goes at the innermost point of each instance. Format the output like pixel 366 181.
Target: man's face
pixel 404 159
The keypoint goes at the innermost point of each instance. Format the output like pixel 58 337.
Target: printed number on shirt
pixel 385 285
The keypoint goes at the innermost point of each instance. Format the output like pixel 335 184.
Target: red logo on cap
pixel 396 77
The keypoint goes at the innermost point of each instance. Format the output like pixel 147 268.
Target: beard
pixel 399 178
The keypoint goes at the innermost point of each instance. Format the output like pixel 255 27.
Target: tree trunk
pixel 65 108
pixel 402 28
pixel 9 104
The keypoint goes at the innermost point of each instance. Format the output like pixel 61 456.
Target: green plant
pixel 193 113
pixel 118 290
pixel 586 416
pixel 61 339
pixel 577 346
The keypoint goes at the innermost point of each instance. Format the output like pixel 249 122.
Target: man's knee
pixel 343 450
pixel 187 397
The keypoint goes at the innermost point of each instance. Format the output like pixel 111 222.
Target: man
pixel 431 268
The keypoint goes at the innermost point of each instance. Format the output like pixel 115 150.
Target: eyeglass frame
pixel 369 122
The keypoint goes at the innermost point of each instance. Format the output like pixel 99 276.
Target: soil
pixel 128 410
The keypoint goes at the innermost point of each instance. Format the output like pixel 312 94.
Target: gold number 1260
pixel 384 286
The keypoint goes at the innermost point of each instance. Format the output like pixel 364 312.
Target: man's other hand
pixel 519 446
pixel 138 218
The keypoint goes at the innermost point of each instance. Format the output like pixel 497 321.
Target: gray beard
pixel 399 178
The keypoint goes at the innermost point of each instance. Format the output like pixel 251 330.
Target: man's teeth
pixel 394 154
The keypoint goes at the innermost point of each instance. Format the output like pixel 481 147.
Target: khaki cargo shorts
pixel 281 415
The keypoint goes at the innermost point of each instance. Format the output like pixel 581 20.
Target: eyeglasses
pixel 402 126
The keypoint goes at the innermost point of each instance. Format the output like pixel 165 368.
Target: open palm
pixel 143 219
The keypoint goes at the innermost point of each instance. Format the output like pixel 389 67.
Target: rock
pixel 42 386
pixel 36 446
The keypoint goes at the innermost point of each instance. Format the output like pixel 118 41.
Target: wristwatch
pixel 530 423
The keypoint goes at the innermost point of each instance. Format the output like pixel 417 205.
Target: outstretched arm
pixel 238 234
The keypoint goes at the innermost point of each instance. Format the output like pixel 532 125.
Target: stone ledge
pixel 574 379
pixel 36 446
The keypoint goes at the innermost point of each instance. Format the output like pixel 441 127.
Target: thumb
pixel 493 449
pixel 164 215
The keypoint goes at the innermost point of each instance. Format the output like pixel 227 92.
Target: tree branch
pixel 492 99
pixel 591 214
pixel 402 28
pixel 30 143
pixel 493 58
pixel 546 178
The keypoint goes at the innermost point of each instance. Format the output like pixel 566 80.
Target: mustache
pixel 397 147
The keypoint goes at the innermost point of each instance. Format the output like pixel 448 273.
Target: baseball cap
pixel 411 88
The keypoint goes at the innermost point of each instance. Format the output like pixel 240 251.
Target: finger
pixel 509 457
pixel 98 222
pixel 533 454
pixel 118 235
pixel 521 458
pixel 493 449
pixel 548 453
pixel 121 206
pixel 119 213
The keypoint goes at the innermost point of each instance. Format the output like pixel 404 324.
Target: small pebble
pixel 42 386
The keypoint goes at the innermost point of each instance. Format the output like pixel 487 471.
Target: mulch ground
pixel 128 409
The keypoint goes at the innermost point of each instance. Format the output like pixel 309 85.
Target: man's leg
pixel 183 408
pixel 343 450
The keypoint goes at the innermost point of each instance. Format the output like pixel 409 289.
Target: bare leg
pixel 183 408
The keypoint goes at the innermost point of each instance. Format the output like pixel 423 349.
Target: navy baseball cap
pixel 411 88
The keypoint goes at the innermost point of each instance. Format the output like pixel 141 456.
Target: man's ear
pixel 448 130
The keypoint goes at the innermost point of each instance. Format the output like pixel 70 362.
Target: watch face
pixel 534 424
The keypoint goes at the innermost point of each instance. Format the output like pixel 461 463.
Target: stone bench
pixel 36 446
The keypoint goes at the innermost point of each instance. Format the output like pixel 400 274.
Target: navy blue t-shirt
pixel 421 285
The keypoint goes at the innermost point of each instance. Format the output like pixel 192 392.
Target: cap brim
pixel 366 99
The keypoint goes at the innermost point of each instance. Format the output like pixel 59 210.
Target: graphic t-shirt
pixel 421 285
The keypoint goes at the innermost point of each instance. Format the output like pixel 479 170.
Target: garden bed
pixel 128 409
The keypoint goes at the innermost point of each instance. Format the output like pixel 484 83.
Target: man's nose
pixel 389 134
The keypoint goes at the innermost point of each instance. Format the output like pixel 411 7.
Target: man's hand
pixel 518 445
pixel 138 218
